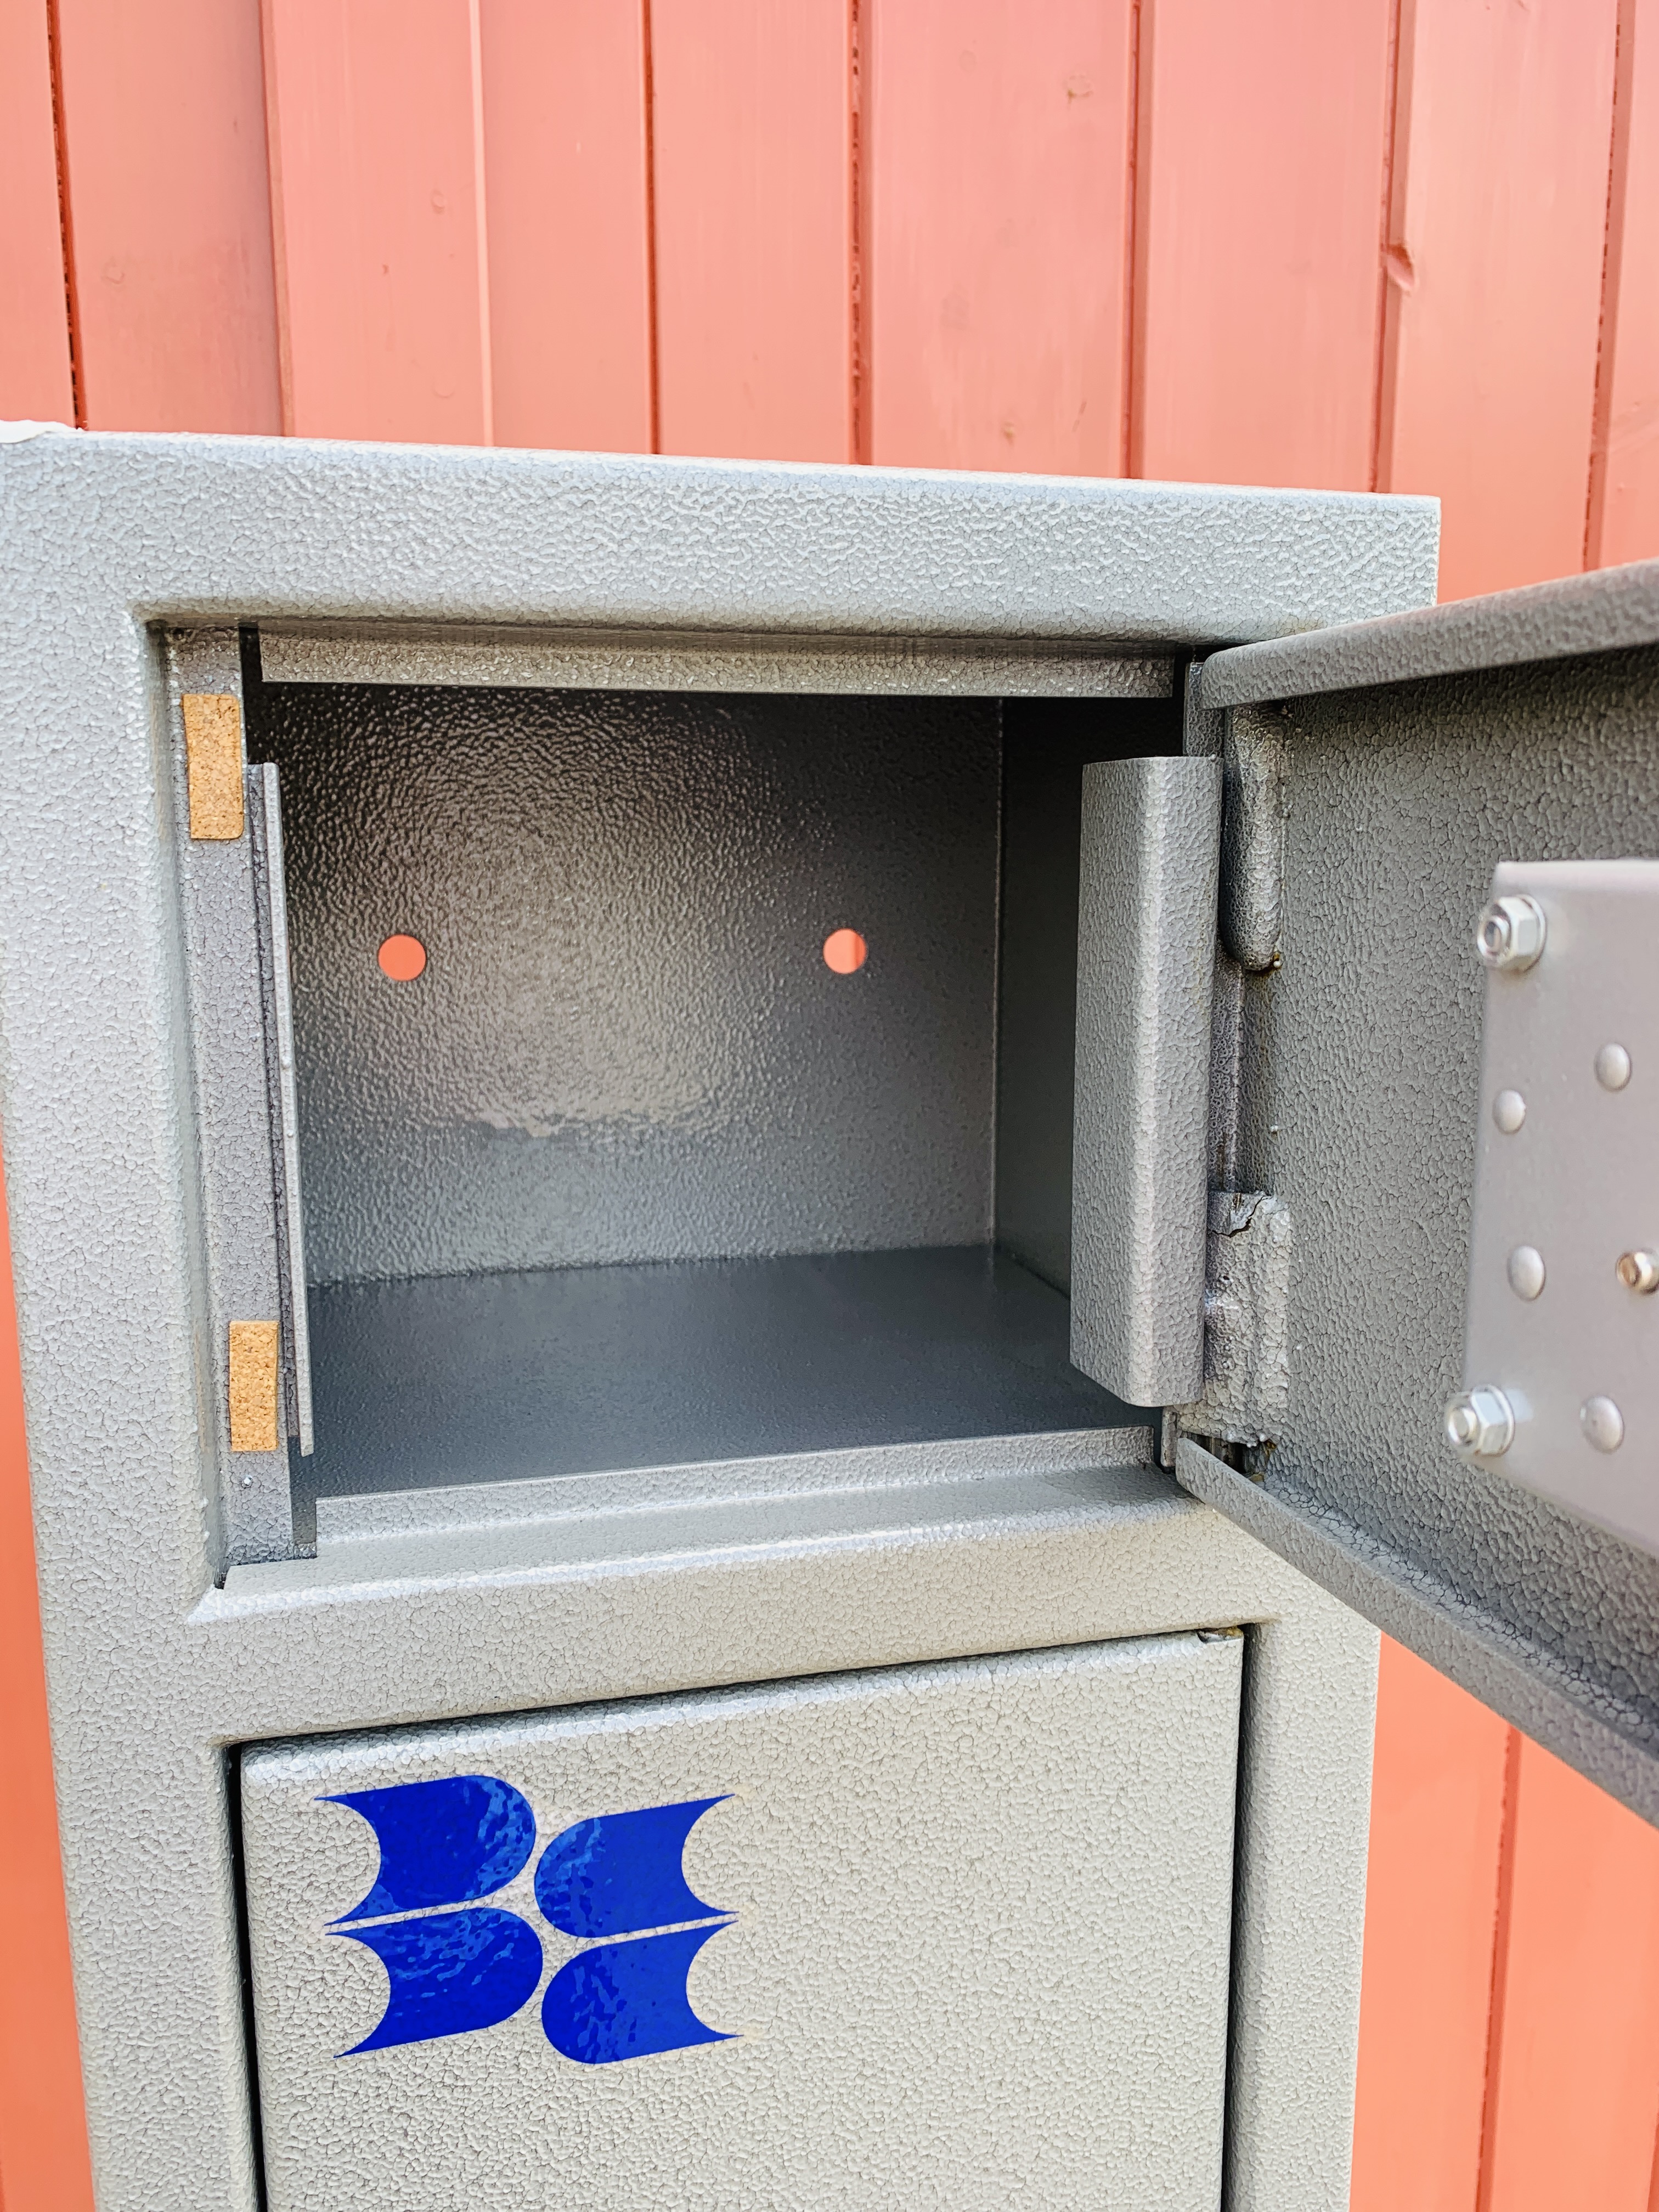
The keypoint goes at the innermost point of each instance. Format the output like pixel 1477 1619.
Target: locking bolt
pixel 1639 1271
pixel 1510 933
pixel 1480 1424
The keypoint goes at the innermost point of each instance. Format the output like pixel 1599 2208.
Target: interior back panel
pixel 626 1044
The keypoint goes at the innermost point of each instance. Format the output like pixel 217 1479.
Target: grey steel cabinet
pixel 691 1552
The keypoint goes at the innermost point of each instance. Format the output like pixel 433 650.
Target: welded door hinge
pixel 1247 1301
pixel 1250 743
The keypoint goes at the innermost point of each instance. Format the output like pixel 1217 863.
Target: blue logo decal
pixel 628 2000
pixel 442 1843
pixel 622 1872
pixel 451 1971
pixel 620 1875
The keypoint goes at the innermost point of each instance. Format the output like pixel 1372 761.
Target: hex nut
pixel 1510 933
pixel 1480 1424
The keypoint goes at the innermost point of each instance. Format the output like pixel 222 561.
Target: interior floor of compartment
pixel 579 1371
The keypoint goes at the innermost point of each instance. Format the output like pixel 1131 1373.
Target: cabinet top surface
pixel 196 528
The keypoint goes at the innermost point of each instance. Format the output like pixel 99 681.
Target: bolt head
pixel 1510 933
pixel 1526 1272
pixel 1639 1272
pixel 1480 1424
pixel 1602 1422
pixel 1613 1067
pixel 1508 1110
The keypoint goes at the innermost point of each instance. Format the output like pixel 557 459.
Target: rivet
pixel 1510 933
pixel 1480 1424
pixel 1639 1270
pixel 1613 1067
pixel 1508 1110
pixel 1526 1271
pixel 1602 1422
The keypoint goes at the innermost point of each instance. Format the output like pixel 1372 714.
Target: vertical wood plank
pixel 1623 521
pixel 377 174
pixel 1260 172
pixel 751 131
pixel 569 274
pixel 45 2165
pixel 1575 2076
pixel 35 383
pixel 996 251
pixel 164 156
pixel 1502 140
pixel 1431 1906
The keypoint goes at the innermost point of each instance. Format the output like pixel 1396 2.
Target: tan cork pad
pixel 213 752
pixel 252 1386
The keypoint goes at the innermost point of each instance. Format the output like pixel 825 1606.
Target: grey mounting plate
pixel 1566 1188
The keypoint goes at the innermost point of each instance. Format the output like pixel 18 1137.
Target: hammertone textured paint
pixel 153 1671
pixel 547 1375
pixel 1361 1105
pixel 679 660
pixel 230 1128
pixel 1072 1810
pixel 1542 622
pixel 626 1044
pixel 1146 924
pixel 449 1510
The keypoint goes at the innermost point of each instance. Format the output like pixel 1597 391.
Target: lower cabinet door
pixel 953 1935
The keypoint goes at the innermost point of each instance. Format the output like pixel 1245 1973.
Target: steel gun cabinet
pixel 742 1205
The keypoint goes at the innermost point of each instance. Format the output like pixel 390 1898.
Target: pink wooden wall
pixel 1406 244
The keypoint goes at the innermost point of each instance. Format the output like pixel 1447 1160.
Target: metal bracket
pixel 1561 1372
pixel 1246 1370
pixel 1145 972
pixel 270 903
pixel 227 842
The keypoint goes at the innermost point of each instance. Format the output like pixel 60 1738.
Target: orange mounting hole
pixel 402 958
pixel 845 951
